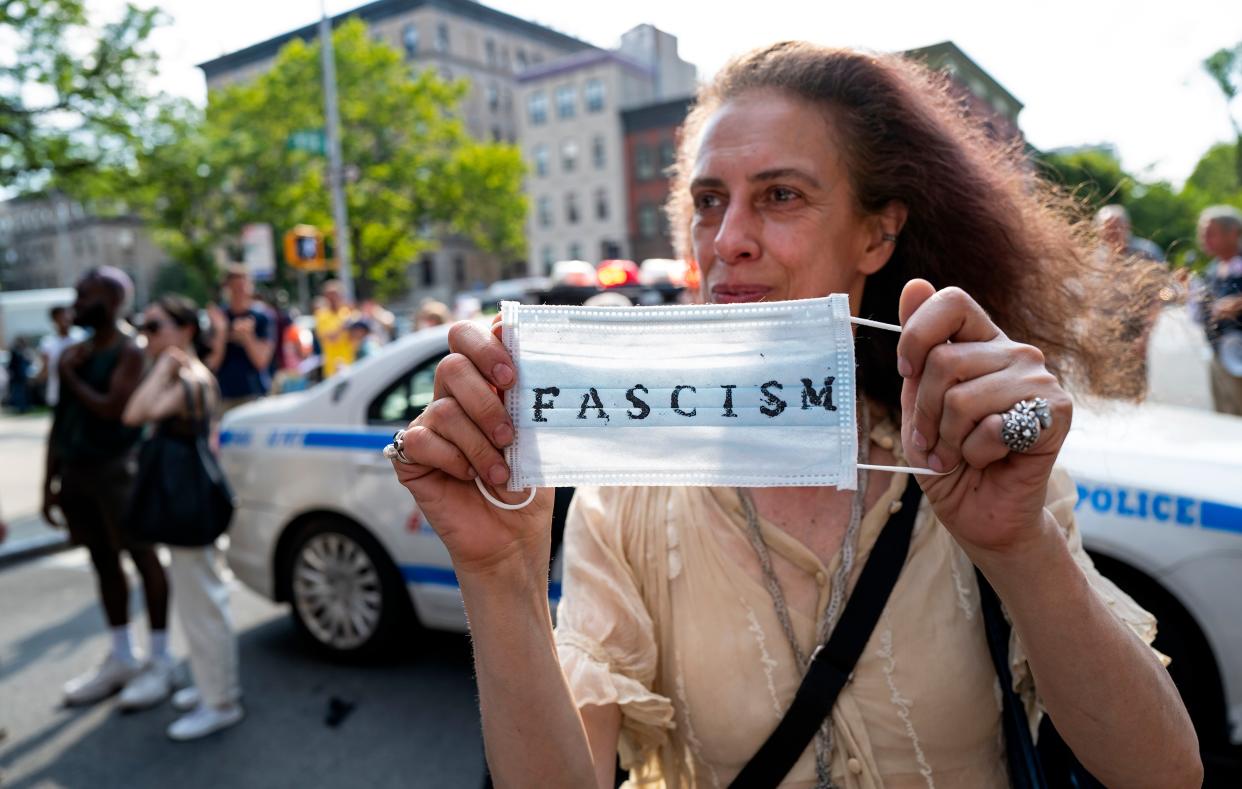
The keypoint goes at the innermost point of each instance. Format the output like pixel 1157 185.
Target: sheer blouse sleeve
pixel 605 636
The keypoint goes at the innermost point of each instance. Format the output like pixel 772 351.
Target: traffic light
pixel 304 248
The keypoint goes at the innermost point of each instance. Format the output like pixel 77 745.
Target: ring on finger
pixel 1022 424
pixel 396 450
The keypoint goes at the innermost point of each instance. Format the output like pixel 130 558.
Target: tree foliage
pixel 1225 68
pixel 413 170
pixel 67 110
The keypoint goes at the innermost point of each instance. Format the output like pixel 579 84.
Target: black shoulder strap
pixel 833 663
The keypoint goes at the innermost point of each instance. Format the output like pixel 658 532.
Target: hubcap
pixel 336 588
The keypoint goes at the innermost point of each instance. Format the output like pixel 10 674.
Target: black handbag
pixel 181 496
pixel 1050 763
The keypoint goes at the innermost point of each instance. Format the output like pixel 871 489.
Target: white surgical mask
pixel 751 395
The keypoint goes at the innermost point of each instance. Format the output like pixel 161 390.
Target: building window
pixel 493 97
pixel 442 37
pixel 521 62
pixel 545 211
pixel 601 204
pixel 597 152
pixel 668 154
pixel 490 47
pixel 594 95
pixel 541 160
pixel 459 271
pixel 565 100
pixel 569 156
pixel 549 257
pixel 537 107
pixel 428 273
pixel 648 220
pixel 571 211
pixel 644 163
pixel 497 134
pixel 575 251
pixel 409 40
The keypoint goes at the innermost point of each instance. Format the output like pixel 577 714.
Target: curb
pixel 16 551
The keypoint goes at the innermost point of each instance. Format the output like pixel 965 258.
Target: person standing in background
pixel 19 376
pixel 1112 222
pixel 241 342
pixel 180 396
pixel 331 324
pixel 1220 306
pixel 90 476
pixel 63 334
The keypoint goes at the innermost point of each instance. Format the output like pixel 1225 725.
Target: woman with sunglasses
pixel 179 394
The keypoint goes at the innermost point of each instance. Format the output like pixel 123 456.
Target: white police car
pixel 322 523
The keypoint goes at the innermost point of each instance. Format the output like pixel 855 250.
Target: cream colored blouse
pixel 664 612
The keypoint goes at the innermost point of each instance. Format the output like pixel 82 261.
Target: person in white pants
pixel 200 597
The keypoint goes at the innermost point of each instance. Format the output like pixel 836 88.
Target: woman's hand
pixel 458 437
pixel 961 373
pixel 171 362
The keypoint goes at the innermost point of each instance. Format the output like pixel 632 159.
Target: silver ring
pixel 1022 424
pixel 396 450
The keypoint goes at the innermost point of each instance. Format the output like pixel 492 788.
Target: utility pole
pixel 336 180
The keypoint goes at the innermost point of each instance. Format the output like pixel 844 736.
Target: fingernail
pixel 904 368
pixel 502 374
pixel 503 435
pixel 919 442
pixel 934 462
pixel 498 474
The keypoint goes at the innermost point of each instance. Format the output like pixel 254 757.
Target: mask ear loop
pixel 900 469
pixel 497 502
pixel 487 494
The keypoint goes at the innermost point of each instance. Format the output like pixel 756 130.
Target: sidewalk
pixel 22 453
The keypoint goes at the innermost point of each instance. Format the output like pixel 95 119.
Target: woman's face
pixel 160 331
pixel 774 213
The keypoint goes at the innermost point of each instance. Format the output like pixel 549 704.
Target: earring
pixel 889 237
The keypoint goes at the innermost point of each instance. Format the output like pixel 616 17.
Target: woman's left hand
pixel 961 373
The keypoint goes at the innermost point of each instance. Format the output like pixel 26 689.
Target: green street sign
pixel 309 140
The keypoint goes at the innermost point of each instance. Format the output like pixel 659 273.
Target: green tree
pixel 1093 176
pixel 67 111
pixel 414 171
pixel 1225 68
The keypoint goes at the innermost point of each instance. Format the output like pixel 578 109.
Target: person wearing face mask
pixel 90 474
pixel 690 616
pixel 178 397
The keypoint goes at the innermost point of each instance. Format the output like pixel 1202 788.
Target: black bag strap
pixel 1025 769
pixel 832 664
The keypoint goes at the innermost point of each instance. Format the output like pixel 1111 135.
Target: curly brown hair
pixel 979 218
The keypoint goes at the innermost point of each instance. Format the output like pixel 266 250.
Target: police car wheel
pixel 342 589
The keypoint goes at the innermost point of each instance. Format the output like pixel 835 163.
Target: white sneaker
pixel 150 687
pixel 101 683
pixel 186 699
pixel 204 720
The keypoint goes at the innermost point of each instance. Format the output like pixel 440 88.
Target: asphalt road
pixel 413 720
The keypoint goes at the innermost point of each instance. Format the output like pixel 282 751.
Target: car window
pixel 406 397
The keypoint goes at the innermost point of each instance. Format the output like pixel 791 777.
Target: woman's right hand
pixel 459 436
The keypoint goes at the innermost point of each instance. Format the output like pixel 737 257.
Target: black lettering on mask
pixel 822 398
pixel 676 394
pixel 728 403
pixel 775 405
pixel 643 408
pixel 591 400
pixel 541 404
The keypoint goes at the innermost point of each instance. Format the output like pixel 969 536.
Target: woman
pixel 176 395
pixel 806 171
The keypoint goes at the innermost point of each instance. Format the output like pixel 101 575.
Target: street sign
pixel 258 251
pixel 309 140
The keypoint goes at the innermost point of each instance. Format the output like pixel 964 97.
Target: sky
pixel 1088 71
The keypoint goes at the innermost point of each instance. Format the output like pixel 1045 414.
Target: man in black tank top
pixel 90 474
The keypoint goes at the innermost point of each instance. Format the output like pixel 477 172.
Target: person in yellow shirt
pixel 330 324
